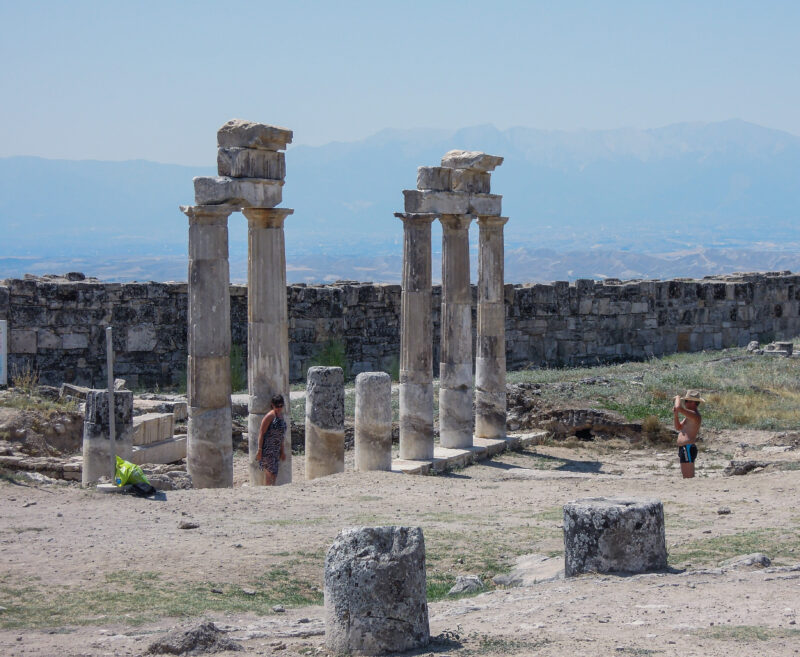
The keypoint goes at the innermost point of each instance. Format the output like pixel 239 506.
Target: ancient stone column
pixel 324 421
pixel 209 454
pixel 267 331
pixel 455 368
pixel 490 361
pixel 416 335
pixel 375 597
pixel 373 430
pixel 96 430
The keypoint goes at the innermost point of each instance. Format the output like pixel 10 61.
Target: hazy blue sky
pixel 154 80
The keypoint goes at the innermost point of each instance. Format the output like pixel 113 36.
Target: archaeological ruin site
pixel 577 520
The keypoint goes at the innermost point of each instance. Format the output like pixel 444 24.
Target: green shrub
pixel 238 369
pixel 332 354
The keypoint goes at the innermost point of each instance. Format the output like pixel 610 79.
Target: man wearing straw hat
pixel 689 428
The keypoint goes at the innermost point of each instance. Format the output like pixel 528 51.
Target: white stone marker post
pixel 324 421
pixel 373 430
pixel 490 361
pixel 416 336
pixel 455 368
pixel 267 331
pixel 209 456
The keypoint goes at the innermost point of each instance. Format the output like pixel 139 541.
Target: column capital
pixel 487 221
pixel 456 221
pixel 208 214
pixel 266 217
pixel 411 218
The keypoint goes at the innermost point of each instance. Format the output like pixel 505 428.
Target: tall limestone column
pixel 490 362
pixel 416 335
pixel 209 455
pixel 455 368
pixel 267 331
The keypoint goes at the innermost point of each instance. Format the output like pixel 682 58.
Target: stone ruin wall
pixel 58 326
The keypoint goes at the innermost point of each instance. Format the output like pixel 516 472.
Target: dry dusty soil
pixel 64 548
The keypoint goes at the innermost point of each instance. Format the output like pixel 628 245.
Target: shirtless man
pixel 689 428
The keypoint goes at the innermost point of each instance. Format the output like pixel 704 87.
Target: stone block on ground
pixel 238 133
pixel 245 192
pixel 614 535
pixel 475 160
pixel 375 597
pixel 152 428
pixel 251 163
pixel 171 450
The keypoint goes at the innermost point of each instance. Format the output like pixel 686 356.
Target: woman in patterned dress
pixel 270 441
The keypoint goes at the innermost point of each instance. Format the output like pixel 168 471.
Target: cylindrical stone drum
pixel 614 535
pixel 96 435
pixel 324 421
pixel 373 430
pixel 375 598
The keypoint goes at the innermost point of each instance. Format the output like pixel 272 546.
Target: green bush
pixel 332 354
pixel 238 369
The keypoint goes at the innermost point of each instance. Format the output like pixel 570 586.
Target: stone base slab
pixel 165 451
pixel 446 459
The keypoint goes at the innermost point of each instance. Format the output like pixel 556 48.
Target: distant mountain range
pixel 687 199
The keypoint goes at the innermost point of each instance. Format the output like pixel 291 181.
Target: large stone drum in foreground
pixel 614 535
pixel 375 600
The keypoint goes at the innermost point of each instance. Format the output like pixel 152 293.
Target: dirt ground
pixel 68 540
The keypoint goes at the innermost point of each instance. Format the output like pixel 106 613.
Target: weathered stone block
pixel 606 535
pixel 245 192
pixel 375 599
pixel 251 163
pixel 466 180
pixel 437 179
pixel 420 202
pixel 22 341
pixel 238 133
pixel 486 204
pixel 474 160
pixel 141 338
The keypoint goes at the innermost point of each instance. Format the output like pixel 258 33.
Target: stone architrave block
pixel 245 192
pixel 438 179
pixel 486 204
pixel 251 163
pixel 238 133
pixel 375 598
pixel 422 202
pixel 608 535
pixel 474 182
pixel 475 160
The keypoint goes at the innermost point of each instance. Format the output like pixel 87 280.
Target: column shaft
pixel 490 361
pixel 209 455
pixel 416 335
pixel 455 368
pixel 267 331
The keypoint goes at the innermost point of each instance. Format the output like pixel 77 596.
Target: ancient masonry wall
pixel 57 326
